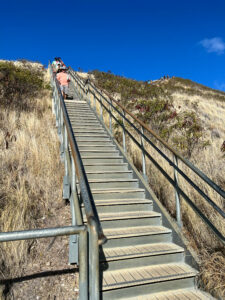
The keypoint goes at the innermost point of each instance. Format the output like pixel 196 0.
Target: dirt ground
pixel 48 274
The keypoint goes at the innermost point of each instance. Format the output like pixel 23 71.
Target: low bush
pixel 19 86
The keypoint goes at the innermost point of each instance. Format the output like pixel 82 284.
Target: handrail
pixel 90 209
pixel 187 162
pixel 176 155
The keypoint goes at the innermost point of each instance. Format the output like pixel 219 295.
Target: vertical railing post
pixel 53 97
pixel 124 136
pixel 73 248
pixel 61 136
pixel 93 261
pixel 57 110
pixel 94 102
pixel 110 116
pixel 101 110
pixel 143 156
pixel 83 269
pixel 66 182
pixel 177 197
pixel 89 95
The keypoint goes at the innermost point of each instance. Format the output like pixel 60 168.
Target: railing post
pixel 62 137
pixel 93 261
pixel 110 116
pixel 143 156
pixel 73 248
pixel 53 97
pixel 89 95
pixel 94 102
pixel 57 110
pixel 177 197
pixel 124 136
pixel 66 183
pixel 83 268
pixel 101 110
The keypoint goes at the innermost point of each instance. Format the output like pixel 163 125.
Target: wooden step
pixel 121 253
pixel 127 236
pixel 122 205
pixel 99 153
pixel 115 193
pixel 149 279
pixel 113 183
pixel 116 258
pixel 109 174
pixel 102 159
pixel 100 147
pixel 106 166
pixel 130 218
pixel 179 294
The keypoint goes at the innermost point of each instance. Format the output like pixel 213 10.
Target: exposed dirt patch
pixel 48 274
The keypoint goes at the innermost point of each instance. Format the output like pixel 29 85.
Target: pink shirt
pixel 63 78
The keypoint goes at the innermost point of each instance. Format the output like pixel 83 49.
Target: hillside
pixel 30 186
pixel 190 117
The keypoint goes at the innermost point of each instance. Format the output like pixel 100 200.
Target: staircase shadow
pixel 51 273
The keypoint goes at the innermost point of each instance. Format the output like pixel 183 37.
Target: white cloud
pixel 216 45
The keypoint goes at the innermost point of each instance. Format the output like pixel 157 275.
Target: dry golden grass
pixel 31 175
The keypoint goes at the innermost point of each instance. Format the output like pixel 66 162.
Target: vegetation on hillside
pixel 20 85
pixel 153 104
pixel 29 160
pixel 179 121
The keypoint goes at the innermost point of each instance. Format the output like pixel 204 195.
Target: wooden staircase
pixel 139 260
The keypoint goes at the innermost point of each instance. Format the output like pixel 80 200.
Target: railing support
pixel 177 197
pixel 66 182
pixel 124 136
pixel 93 261
pixel 101 110
pixel 83 268
pixel 143 156
pixel 110 116
pixel 73 246
pixel 94 102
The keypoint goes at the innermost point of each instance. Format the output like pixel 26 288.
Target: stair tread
pixel 141 275
pixel 180 294
pixel 108 140
pixel 92 135
pixel 103 145
pixel 122 201
pixel 116 190
pixel 127 215
pixel 105 164
pixel 99 151
pixel 107 172
pixel 112 180
pixel 115 233
pixel 141 250
pixel 131 214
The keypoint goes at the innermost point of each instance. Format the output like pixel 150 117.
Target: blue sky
pixel 142 39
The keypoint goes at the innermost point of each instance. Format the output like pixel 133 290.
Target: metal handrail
pixel 174 182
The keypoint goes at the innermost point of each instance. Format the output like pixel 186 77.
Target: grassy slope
pixel 190 117
pixel 29 160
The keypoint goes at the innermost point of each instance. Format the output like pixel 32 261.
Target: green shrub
pixel 19 86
